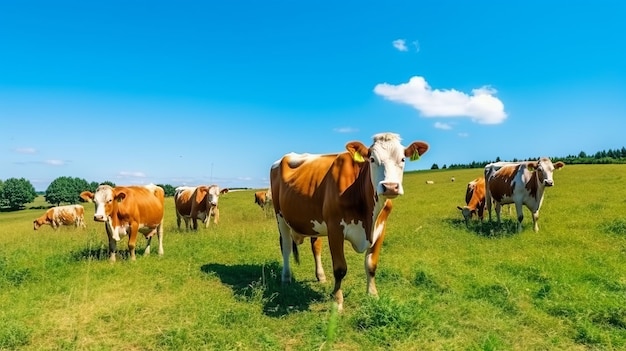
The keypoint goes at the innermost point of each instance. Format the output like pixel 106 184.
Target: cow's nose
pixel 548 182
pixel 98 218
pixel 391 188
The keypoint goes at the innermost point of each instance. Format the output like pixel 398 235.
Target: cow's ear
pixel 415 150
pixel 201 192
pixel 532 165
pixel 87 196
pixel 358 151
pixel 224 191
pixel 120 196
pixel 559 165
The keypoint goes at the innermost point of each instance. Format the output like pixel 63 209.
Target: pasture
pixel 442 285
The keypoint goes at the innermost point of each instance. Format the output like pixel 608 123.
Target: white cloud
pixel 416 44
pixel 345 130
pixel 400 44
pixel 54 162
pixel 26 150
pixel 125 174
pixel 481 106
pixel 444 126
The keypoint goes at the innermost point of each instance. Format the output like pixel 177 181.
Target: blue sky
pixel 197 92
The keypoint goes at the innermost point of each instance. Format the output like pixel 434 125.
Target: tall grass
pixel 442 285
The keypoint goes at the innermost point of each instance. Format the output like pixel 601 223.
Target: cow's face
pixel 387 158
pixel 545 170
pixel 212 196
pixel 103 199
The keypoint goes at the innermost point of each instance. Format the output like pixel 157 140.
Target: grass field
pixel 442 286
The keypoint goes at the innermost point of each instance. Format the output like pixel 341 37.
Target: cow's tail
pixel 296 253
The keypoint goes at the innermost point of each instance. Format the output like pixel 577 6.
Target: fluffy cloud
pixel 54 162
pixel 345 130
pixel 444 126
pixel 25 150
pixel 125 174
pixel 400 44
pixel 481 106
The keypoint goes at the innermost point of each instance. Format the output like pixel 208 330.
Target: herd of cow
pixel 345 196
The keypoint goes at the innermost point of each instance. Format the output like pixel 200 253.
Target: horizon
pixel 196 93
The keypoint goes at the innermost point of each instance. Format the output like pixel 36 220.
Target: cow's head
pixel 106 201
pixel 386 158
pixel 213 193
pixel 544 170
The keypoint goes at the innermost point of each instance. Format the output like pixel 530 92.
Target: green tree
pixel 93 186
pixel 434 166
pixel 65 190
pixel 15 193
pixel 108 182
pixel 169 189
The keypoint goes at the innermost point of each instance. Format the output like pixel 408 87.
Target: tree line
pixel 15 193
pixel 616 156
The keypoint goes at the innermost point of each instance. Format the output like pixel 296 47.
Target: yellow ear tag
pixel 415 156
pixel 357 157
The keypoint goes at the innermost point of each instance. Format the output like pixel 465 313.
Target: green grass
pixel 442 285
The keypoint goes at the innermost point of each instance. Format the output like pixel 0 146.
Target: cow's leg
pixel 371 263
pixel 520 216
pixel 112 244
pixel 535 220
pixel 194 222
pixel 160 237
pixel 178 220
pixel 498 210
pixel 316 247
pixel 216 215
pixel 286 242
pixel 340 267
pixel 488 200
pixel 132 239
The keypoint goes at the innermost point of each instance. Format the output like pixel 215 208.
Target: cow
pixel 474 200
pixel 263 198
pixel 200 202
pixel 430 182
pixel 522 184
pixel 129 210
pixel 62 215
pixel 344 196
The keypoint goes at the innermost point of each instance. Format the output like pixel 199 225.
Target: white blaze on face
pixel 355 234
pixel 213 195
pixel 546 169
pixel 387 162
pixel 102 197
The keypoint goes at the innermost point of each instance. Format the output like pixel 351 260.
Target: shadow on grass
pixel 262 282
pixel 102 254
pixel 487 229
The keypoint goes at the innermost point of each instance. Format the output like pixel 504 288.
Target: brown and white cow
pixel 474 200
pixel 62 215
pixel 199 202
pixel 129 210
pixel 522 184
pixel 263 198
pixel 345 196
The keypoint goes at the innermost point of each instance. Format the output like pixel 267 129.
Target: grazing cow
pixel 200 202
pixel 474 200
pixel 345 196
pixel 522 184
pixel 129 210
pixel 62 215
pixel 430 182
pixel 263 198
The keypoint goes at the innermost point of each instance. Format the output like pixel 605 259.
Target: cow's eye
pixel 402 160
pixel 372 160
